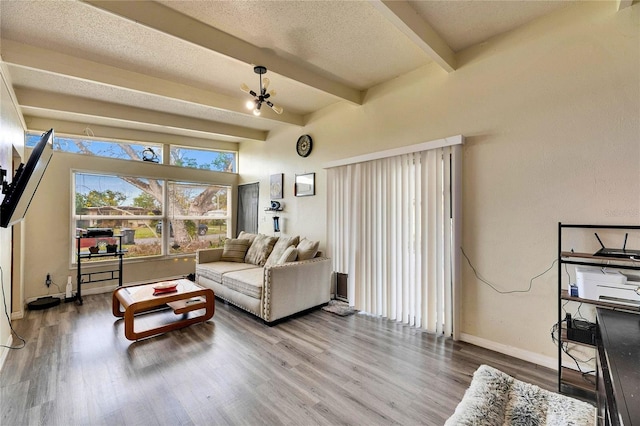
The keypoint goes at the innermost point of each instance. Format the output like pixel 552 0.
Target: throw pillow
pixel 234 250
pixel 247 236
pixel 279 248
pixel 307 249
pixel 290 254
pixel 260 250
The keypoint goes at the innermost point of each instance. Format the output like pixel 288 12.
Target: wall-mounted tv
pixel 20 192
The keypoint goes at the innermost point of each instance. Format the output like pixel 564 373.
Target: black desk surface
pixel 620 333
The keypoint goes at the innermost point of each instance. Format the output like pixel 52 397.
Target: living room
pixel 550 114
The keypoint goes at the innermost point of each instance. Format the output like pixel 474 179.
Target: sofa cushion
pixel 307 249
pixel 260 250
pixel 289 255
pixel 278 249
pixel 248 281
pixel 235 250
pixel 215 270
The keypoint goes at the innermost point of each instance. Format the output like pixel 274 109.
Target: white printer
pixel 608 285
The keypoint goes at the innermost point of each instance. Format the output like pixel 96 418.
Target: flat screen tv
pixel 20 192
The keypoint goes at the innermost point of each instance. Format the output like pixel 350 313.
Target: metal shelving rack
pixel 93 277
pixel 571 381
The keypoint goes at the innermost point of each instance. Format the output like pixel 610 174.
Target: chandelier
pixel 262 96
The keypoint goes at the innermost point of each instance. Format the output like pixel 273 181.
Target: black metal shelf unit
pixel 93 277
pixel 569 380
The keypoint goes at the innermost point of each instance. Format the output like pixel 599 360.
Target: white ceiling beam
pixel 70 127
pixel 49 61
pixel 622 4
pixel 166 20
pixel 41 100
pixel 420 32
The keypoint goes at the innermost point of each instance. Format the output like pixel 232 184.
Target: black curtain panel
pixel 248 208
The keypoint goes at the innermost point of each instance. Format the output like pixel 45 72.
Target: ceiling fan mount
pixel 262 96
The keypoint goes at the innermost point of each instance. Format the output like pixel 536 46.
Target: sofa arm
pixel 208 255
pixel 296 286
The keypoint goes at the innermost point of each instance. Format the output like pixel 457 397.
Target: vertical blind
pixel 390 228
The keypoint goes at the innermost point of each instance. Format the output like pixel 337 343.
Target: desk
pixel 619 367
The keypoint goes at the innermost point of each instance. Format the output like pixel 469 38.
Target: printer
pixel 607 285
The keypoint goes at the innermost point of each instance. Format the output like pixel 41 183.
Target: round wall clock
pixel 304 145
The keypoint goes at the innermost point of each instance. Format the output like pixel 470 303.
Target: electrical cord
pixel 565 348
pixel 6 312
pixel 54 283
pixel 475 272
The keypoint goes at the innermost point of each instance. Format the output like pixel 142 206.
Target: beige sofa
pixel 272 278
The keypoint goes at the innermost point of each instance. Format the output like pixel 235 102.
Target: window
pixel 197 215
pixel 140 209
pixel 101 148
pixel 206 159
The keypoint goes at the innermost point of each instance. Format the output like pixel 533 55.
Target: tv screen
pixel 20 192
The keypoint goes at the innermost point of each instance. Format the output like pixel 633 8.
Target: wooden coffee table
pixel 136 299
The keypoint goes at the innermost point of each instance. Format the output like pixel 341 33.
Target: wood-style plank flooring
pixel 78 369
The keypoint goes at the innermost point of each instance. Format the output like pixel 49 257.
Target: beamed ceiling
pixel 176 66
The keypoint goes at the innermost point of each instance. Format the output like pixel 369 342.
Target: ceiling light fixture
pixel 262 96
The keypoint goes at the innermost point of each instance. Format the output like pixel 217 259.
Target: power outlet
pixel 47 282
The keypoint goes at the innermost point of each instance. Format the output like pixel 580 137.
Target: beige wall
pixel 11 141
pixel 48 229
pixel 551 115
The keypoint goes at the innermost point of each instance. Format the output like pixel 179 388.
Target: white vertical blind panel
pixel 390 230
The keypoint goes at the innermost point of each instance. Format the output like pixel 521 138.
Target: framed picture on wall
pixel 275 186
pixel 305 185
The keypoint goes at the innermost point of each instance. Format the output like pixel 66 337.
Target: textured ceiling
pixel 176 66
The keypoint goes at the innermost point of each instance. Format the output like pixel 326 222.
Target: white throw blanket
pixel 495 398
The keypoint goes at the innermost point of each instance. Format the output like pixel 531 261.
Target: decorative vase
pixel 94 249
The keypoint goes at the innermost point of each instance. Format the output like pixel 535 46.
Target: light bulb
pixel 250 104
pixel 256 112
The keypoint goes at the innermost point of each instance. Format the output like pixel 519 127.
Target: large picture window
pixel 140 209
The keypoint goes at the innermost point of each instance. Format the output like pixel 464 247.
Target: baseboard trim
pixel 545 361
pixel 103 289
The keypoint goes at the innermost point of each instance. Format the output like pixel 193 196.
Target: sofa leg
pixel 297 314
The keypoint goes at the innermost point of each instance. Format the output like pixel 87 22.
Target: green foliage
pixel 99 199
pixel 223 162
pixel 147 202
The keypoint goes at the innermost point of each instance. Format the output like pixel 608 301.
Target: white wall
pixel 551 115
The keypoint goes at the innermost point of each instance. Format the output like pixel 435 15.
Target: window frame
pixel 164 218
pixel 157 146
pixel 197 148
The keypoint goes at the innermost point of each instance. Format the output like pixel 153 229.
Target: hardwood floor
pixel 78 368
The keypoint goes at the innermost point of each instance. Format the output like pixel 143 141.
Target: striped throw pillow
pixel 260 250
pixel 235 250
